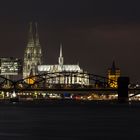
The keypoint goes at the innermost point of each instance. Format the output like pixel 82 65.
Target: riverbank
pixel 69 102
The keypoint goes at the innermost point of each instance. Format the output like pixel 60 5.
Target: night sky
pixel 93 33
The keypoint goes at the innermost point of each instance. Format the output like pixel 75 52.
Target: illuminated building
pixel 75 73
pixel 113 74
pixel 33 54
pixel 32 65
pixel 10 66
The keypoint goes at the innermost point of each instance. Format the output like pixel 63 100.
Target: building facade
pixel 10 66
pixel 113 75
pixel 64 74
pixel 32 54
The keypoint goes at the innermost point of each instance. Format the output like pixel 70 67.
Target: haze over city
pixel 93 34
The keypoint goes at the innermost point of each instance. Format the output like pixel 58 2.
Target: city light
pixel 43 81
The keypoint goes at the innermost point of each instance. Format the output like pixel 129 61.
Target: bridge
pixel 45 83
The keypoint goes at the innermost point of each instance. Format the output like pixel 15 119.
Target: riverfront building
pixel 113 74
pixel 10 66
pixel 32 65
pixel 64 74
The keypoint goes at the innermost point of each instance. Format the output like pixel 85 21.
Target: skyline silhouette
pixel 92 33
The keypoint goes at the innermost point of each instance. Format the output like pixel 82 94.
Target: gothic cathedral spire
pixel 61 60
pixel 33 54
pixel 31 42
pixel 37 42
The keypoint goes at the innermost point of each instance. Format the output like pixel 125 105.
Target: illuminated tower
pixel 113 74
pixel 33 54
pixel 61 60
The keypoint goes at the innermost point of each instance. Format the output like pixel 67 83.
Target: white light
pixel 13 94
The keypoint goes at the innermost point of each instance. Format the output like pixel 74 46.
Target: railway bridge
pixel 41 83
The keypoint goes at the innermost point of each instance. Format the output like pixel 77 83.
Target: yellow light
pixel 30 81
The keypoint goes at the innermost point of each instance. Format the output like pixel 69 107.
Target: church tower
pixel 113 75
pixel 61 60
pixel 32 54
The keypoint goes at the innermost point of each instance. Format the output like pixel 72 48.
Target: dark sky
pixel 93 32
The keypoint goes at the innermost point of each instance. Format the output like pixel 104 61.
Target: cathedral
pixel 33 64
pixel 68 74
pixel 33 54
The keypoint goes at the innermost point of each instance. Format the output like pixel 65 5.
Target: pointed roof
pixel 30 37
pixel 37 42
pixel 61 55
pixel 61 60
pixel 113 68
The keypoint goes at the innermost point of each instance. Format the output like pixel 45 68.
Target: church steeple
pixel 113 68
pixel 30 37
pixel 37 42
pixel 113 74
pixel 33 53
pixel 61 60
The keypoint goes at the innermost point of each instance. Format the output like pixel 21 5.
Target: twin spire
pixel 33 41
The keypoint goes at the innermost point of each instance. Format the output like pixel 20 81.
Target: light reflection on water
pixel 68 121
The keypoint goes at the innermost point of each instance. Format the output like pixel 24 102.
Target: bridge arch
pixel 63 79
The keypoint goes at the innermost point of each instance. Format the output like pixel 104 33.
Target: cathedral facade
pixel 32 54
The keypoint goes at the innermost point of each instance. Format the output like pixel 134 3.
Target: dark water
pixel 69 122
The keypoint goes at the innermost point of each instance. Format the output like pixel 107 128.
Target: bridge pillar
pixel 123 83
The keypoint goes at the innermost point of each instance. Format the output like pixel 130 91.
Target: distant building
pixel 113 74
pixel 75 73
pixel 10 66
pixel 32 65
pixel 32 55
